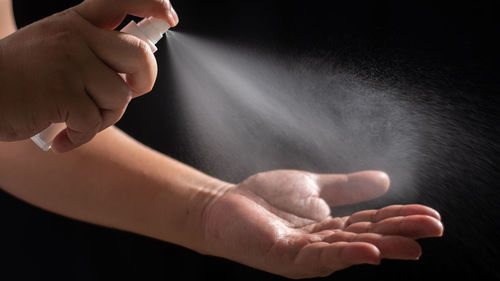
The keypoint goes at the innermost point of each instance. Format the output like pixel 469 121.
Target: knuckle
pixel 62 27
pixel 82 137
pixel 122 98
pixel 94 122
pixel 87 130
pixel 61 114
pixel 143 50
pixel 119 108
pixel 110 117
pixel 62 88
pixel 79 138
pixel 146 65
pixel 126 97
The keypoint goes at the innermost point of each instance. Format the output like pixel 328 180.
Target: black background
pixel 449 48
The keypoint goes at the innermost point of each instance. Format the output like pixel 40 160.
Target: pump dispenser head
pixel 153 28
pixel 150 30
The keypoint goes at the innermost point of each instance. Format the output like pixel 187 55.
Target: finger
pixel 109 14
pixel 336 256
pixel 108 90
pixel 327 224
pixel 392 211
pixel 390 246
pixel 352 188
pixel 323 258
pixel 175 16
pixel 415 226
pixel 83 122
pixel 126 54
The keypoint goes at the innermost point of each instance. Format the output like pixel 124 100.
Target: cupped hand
pixel 280 222
pixel 70 67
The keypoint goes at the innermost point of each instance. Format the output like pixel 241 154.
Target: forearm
pixel 113 181
pixel 7 22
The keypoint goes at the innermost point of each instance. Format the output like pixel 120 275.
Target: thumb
pixel 352 188
pixel 110 13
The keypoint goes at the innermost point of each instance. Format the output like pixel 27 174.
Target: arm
pixel 100 182
pixel 7 22
pixel 113 181
pixel 277 221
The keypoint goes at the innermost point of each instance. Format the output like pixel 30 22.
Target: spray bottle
pixel 150 30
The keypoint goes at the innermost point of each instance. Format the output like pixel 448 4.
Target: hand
pixel 66 68
pixel 280 222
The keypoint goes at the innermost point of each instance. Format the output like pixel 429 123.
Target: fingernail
pixel 175 16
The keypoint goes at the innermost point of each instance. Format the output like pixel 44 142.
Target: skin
pixel 7 23
pixel 277 221
pixel 280 222
pixel 69 68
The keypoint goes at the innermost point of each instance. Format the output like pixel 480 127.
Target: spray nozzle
pixel 149 29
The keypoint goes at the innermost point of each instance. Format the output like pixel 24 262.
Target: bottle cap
pixel 153 28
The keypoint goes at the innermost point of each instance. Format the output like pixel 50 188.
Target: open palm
pixel 280 222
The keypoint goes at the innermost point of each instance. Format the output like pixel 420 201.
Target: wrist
pixel 180 206
pixel 200 205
